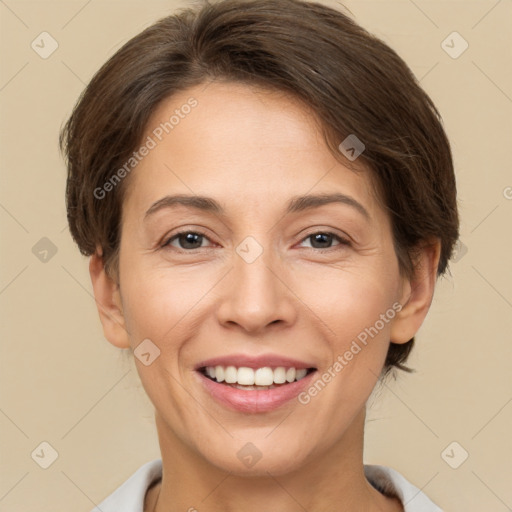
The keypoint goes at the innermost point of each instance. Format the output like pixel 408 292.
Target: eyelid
pixel 343 240
pixel 170 238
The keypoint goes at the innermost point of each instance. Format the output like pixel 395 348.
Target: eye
pixel 188 240
pixel 322 239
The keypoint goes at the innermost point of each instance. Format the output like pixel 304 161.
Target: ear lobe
pixel 417 294
pixel 108 302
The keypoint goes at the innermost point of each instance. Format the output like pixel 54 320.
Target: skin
pixel 253 150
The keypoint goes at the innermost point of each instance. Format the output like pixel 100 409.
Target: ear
pixel 108 301
pixel 417 294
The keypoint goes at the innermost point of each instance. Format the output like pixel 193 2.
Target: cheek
pixel 354 315
pixel 160 302
pixel 348 300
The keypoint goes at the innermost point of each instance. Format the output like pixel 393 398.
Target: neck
pixel 332 481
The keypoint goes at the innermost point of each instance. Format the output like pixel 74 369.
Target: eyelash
pixel 342 241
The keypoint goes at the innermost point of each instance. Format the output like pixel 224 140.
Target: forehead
pixel 244 145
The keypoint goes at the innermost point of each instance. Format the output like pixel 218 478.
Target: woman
pixel 267 198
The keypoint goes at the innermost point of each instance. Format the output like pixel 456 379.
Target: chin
pixel 257 459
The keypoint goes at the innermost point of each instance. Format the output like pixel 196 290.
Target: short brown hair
pixel 353 81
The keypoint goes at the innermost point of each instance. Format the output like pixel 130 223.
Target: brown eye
pixel 187 240
pixel 324 239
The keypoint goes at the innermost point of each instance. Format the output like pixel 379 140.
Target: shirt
pixel 129 497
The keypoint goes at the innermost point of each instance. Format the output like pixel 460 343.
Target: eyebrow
pixel 296 204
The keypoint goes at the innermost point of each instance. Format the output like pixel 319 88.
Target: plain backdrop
pixel 446 428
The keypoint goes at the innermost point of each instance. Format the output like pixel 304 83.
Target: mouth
pixel 256 390
pixel 254 379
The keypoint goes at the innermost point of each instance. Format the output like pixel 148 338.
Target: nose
pixel 255 295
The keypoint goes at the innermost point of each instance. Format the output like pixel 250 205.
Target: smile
pixel 280 386
pixel 254 378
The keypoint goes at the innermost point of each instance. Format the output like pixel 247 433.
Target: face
pixel 263 280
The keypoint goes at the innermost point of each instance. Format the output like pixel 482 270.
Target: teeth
pixel 300 374
pixel 280 375
pixel 218 373
pixel 230 374
pixel 247 377
pixel 265 376
pixel 262 376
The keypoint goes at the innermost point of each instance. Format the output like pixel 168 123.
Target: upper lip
pixel 247 361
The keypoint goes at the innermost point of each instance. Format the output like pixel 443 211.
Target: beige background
pixel 62 383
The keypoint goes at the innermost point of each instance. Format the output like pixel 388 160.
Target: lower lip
pixel 255 400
